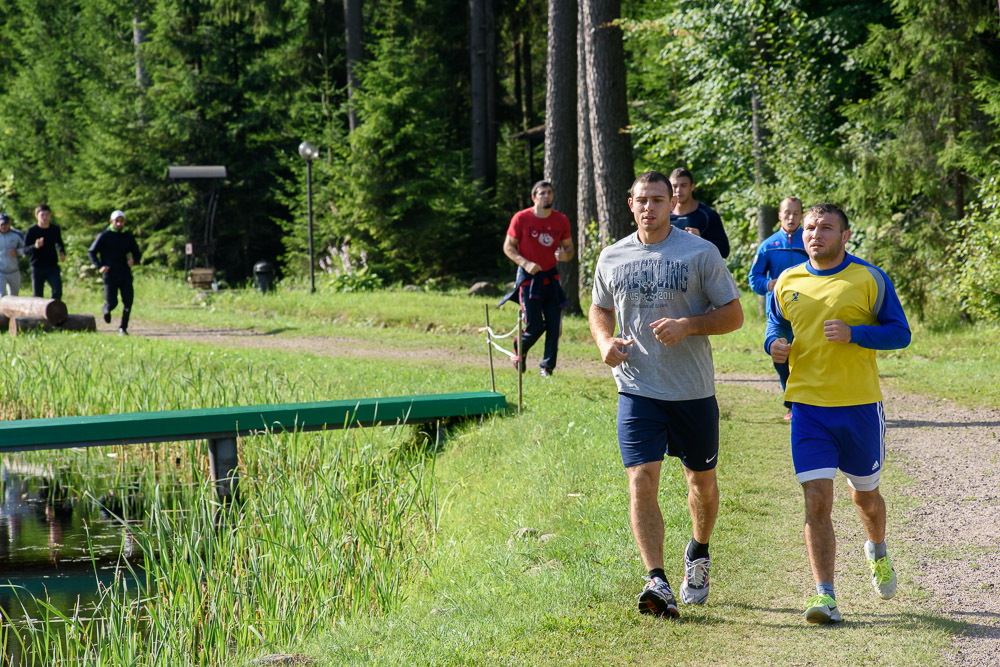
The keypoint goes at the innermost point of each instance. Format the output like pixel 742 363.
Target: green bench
pixel 221 426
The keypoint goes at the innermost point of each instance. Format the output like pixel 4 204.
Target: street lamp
pixel 309 152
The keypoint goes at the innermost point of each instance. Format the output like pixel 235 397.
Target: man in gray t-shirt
pixel 667 291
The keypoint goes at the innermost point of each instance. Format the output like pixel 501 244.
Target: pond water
pixel 58 543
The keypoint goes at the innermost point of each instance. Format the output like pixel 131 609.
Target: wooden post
pixel 489 347
pixel 30 306
pixel 520 361
pixel 224 463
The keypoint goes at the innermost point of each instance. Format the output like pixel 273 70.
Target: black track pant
pixel 112 287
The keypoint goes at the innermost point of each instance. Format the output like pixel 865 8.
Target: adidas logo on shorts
pixel 875 466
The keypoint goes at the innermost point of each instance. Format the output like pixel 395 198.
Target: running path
pixel 953 455
pixel 952 538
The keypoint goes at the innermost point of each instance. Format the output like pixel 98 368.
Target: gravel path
pixel 952 454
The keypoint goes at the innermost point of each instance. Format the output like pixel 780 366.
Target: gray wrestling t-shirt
pixel 681 276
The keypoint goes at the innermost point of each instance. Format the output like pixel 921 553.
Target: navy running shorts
pixel 849 438
pixel 649 429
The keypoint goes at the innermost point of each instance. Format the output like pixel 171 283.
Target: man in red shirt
pixel 537 238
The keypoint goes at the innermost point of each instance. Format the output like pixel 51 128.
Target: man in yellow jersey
pixel 827 317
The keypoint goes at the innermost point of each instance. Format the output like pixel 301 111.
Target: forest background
pixel 433 118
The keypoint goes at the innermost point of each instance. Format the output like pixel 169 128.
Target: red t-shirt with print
pixel 539 238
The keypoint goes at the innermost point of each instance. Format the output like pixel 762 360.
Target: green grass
pixel 460 590
pixel 571 599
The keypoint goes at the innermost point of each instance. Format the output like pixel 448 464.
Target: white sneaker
pixel 694 590
pixel 822 609
pixel 883 576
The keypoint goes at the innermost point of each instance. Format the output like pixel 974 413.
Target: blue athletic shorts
pixel 649 429
pixel 849 438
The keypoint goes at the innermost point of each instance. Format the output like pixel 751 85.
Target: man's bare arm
pixel 565 251
pixel 510 245
pixel 602 328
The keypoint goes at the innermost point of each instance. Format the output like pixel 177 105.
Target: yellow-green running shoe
pixel 883 576
pixel 822 609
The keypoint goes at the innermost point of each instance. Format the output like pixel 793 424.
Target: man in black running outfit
pixel 113 253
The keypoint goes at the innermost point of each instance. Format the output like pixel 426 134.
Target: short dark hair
pixel 539 185
pixel 42 207
pixel 681 172
pixel 652 177
pixel 832 209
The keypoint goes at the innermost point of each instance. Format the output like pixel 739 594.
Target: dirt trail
pixel 951 452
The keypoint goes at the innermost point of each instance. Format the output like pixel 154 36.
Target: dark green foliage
pixel 397 186
pixel 697 65
pixel 915 146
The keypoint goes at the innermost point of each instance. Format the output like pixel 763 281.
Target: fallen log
pixel 32 306
pixel 24 324
pixel 79 322
pixel 82 322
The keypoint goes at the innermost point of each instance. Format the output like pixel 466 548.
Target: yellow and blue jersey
pixel 826 373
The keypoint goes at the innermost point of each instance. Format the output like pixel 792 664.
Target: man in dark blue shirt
pixel 113 253
pixel 694 216
pixel 44 246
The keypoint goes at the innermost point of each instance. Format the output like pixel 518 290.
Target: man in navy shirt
pixel 113 253
pixel 44 247
pixel 780 251
pixel 694 216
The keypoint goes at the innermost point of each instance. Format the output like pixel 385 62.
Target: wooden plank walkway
pixel 222 426
pixel 230 422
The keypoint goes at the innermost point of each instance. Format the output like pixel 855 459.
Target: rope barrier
pixel 492 337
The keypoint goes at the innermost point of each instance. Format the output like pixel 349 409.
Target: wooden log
pixel 22 324
pixel 79 322
pixel 75 322
pixel 32 306
pixel 82 322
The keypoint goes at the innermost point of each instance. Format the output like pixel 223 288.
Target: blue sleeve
pixel 777 325
pixel 892 331
pixel 758 272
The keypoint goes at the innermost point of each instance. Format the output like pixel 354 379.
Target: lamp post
pixel 309 152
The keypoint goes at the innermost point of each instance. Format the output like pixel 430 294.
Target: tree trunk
pixel 477 85
pixel 138 37
pixel 527 97
pixel 491 101
pixel 610 139
pixel 482 44
pixel 767 215
pixel 355 54
pixel 32 306
pixel 560 128
pixel 586 204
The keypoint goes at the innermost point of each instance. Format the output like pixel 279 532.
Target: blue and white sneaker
pixel 694 590
pixel 658 599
